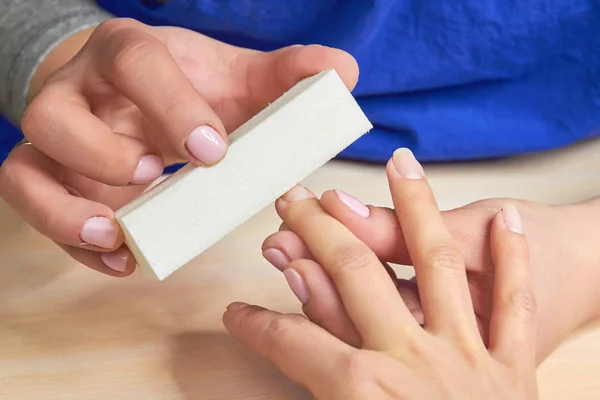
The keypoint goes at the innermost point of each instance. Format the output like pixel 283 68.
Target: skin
pixel 228 85
pixel 396 358
pixel 566 272
pixel 110 96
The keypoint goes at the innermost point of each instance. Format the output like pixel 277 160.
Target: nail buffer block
pixel 177 220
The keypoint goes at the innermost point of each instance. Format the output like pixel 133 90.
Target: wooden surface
pixel 70 333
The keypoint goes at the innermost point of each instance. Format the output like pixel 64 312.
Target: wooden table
pixel 67 332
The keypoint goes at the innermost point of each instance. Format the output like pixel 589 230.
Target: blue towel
pixel 450 79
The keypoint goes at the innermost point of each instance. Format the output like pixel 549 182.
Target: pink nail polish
pixel 512 218
pixel 99 231
pixel 297 284
pixel 206 145
pixel 353 204
pixel 148 170
pixel 419 316
pixel 277 258
pixel 116 260
pixel 407 165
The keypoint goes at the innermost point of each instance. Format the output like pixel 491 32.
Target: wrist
pixel 58 57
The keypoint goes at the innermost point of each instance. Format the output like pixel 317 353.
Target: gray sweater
pixel 29 30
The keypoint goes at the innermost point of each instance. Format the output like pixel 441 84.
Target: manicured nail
pixel 407 165
pixel 419 316
pixel 116 260
pixel 512 218
pixel 277 257
pixel 206 145
pixel 148 170
pixel 99 231
pixel 297 193
pixel 353 204
pixel 236 306
pixel 297 284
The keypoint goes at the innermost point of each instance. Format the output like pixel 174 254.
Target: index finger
pixel 141 67
pixel 369 295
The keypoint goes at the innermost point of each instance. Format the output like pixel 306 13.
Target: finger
pixel 321 301
pixel 141 67
pixel 276 72
pixel 513 322
pixel 282 247
pixel 114 197
pixel 30 183
pixel 59 122
pixel 439 265
pixel 355 270
pixel 306 353
pixel 381 230
pixel 118 263
pixel 324 306
pixel 410 294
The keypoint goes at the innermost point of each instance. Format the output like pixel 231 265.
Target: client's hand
pixel 395 357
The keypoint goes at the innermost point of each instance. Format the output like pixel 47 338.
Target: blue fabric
pixel 451 79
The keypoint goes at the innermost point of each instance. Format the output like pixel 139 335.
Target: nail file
pixel 172 223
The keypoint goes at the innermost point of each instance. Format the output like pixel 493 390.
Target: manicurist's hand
pixel 104 123
pixel 394 356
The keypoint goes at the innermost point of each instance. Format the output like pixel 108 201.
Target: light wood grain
pixel 70 333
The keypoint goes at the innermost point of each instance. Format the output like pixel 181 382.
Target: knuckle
pixel 521 300
pixel 47 222
pixel 517 251
pixel 40 115
pixel 281 325
pixel 358 371
pixel 350 259
pixel 113 27
pixel 445 257
pixel 124 46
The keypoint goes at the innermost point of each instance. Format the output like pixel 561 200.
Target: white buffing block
pixel 183 216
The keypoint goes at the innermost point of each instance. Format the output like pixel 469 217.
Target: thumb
pixel 271 74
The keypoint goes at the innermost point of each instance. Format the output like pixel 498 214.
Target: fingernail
pixel 297 284
pixel 407 165
pixel 297 193
pixel 99 231
pixel 148 170
pixel 116 260
pixel 277 257
pixel 353 204
pixel 419 316
pixel 206 145
pixel 236 306
pixel 512 219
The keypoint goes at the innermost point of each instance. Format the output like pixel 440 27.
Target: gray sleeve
pixel 29 30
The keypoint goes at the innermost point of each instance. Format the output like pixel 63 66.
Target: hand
pixel 563 256
pixel 446 359
pixel 133 99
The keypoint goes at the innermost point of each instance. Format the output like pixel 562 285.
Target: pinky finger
pixel 118 263
pixel 513 322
